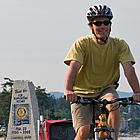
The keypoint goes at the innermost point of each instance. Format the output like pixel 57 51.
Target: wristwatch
pixel 137 92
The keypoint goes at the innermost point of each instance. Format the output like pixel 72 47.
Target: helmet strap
pixel 104 40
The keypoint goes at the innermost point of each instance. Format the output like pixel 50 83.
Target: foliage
pixel 42 98
pixel 136 123
pixel 63 108
pixel 133 112
pixel 124 109
pixel 123 131
pixel 8 85
pixel 5 100
pixel 59 109
pixel 52 101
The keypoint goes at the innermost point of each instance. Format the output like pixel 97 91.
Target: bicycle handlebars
pixel 122 101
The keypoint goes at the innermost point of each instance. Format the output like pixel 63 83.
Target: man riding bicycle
pixel 94 70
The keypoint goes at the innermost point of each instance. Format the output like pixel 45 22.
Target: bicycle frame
pixel 102 131
pixel 102 123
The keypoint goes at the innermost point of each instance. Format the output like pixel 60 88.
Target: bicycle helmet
pixel 99 11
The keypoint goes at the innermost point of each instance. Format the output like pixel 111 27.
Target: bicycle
pixel 101 130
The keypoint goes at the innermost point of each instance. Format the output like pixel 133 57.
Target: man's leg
pixel 82 118
pixel 114 118
pixel 83 132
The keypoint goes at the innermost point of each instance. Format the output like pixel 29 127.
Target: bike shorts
pixel 82 114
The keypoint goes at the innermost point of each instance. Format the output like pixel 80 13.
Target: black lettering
pixel 27 137
pixel 18 128
pixel 15 132
pixel 18 91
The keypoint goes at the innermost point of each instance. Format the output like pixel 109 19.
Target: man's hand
pixel 70 96
pixel 136 97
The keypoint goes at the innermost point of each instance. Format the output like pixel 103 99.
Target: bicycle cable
pixel 115 108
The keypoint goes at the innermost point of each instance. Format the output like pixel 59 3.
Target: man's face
pixel 101 31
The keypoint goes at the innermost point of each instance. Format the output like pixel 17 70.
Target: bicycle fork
pixel 102 131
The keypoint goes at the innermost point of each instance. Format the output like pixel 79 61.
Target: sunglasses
pixel 99 23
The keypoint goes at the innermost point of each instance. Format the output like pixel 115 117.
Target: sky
pixel 36 35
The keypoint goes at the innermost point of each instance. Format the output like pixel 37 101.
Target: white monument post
pixel 23 113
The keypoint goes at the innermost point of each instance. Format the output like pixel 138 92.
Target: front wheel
pixel 105 138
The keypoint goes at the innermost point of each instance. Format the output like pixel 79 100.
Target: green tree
pixel 63 108
pixel 42 98
pixel 124 109
pixel 8 85
pixel 134 111
pixel 52 115
pixel 52 101
pixel 136 122
pixel 5 100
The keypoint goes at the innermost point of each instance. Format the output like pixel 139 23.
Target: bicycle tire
pixel 105 138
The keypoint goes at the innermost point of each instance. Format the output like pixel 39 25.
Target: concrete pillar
pixel 24 112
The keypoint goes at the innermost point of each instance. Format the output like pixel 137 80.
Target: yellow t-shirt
pixel 99 64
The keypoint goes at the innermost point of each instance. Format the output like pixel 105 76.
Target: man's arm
pixel 70 79
pixel 132 79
